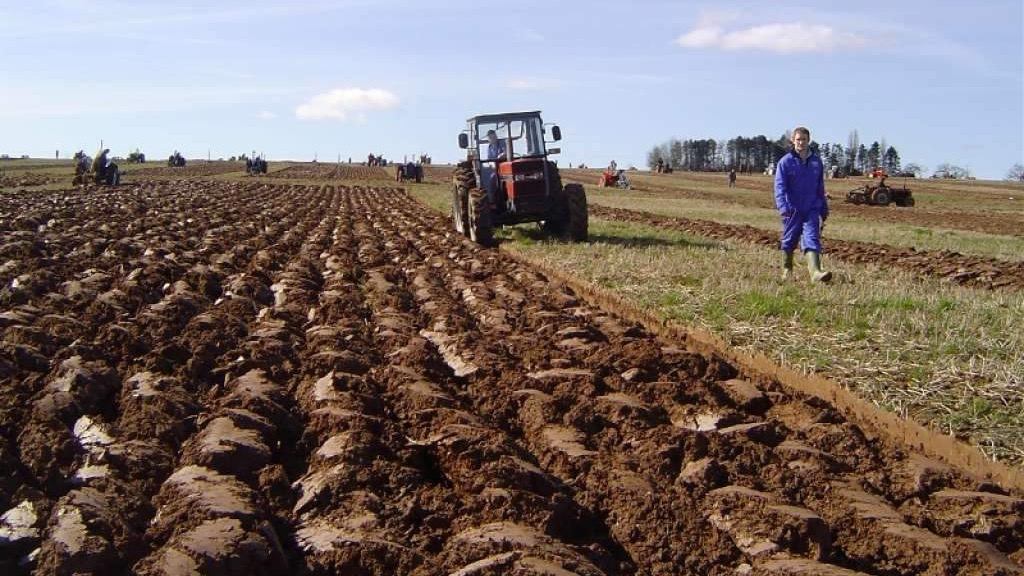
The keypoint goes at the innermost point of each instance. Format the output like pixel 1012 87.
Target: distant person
pixel 495 147
pixel 800 199
pixel 612 166
pixel 660 166
pixel 99 165
pixel 732 178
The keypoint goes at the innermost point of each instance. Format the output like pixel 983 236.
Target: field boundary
pixel 869 417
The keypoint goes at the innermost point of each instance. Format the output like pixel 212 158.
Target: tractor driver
pixel 99 165
pixel 495 147
pixel 489 175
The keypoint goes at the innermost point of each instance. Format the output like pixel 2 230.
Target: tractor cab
pixel 509 157
pixel 507 166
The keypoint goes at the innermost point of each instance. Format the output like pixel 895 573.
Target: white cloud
pixel 344 103
pixel 266 115
pixel 778 38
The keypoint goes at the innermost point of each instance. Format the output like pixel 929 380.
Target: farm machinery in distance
pixel 614 178
pixel 880 194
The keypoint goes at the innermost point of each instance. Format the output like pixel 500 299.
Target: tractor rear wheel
pixel 881 196
pixel 480 228
pixel 576 199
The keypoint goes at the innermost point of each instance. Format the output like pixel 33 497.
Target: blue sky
pixel 941 81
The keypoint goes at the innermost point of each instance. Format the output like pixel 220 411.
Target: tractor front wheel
pixel 460 198
pixel 480 227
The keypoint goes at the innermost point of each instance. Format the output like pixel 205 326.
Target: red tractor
pixel 614 178
pixel 507 179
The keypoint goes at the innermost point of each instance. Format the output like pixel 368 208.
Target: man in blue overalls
pixel 800 199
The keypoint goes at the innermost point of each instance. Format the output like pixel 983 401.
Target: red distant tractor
pixel 616 178
pixel 507 179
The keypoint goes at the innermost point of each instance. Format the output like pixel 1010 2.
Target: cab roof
pixel 504 116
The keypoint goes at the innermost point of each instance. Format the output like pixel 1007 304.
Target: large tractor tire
pixel 463 181
pixel 577 223
pixel 881 196
pixel 460 208
pixel 481 230
pixel 558 216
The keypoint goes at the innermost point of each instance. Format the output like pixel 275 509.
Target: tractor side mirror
pixel 463 140
pixel 556 133
pixel 554 151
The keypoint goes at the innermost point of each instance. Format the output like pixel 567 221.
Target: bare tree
pixel 852 148
pixel 947 170
pixel 916 169
pixel 1016 173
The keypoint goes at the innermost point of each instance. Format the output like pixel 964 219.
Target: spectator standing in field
pixel 800 199
pixel 732 178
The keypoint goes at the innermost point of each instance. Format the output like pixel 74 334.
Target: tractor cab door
pixel 513 139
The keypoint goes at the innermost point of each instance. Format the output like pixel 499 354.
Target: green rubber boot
pixel 787 266
pixel 814 267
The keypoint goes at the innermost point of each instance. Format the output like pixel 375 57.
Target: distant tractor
pixel 880 194
pixel 408 171
pixel 507 179
pixel 102 172
pixel 176 160
pixel 255 166
pixel 136 157
pixel 614 178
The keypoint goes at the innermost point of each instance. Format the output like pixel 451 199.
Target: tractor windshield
pixel 519 138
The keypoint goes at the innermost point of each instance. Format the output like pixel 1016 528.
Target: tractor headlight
pixel 528 177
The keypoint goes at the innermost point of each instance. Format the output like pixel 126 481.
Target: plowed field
pixel 191 169
pixel 334 172
pixel 252 378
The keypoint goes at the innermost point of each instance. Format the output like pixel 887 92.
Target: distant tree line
pixel 756 154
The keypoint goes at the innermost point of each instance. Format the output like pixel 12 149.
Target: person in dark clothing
pixel 99 166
